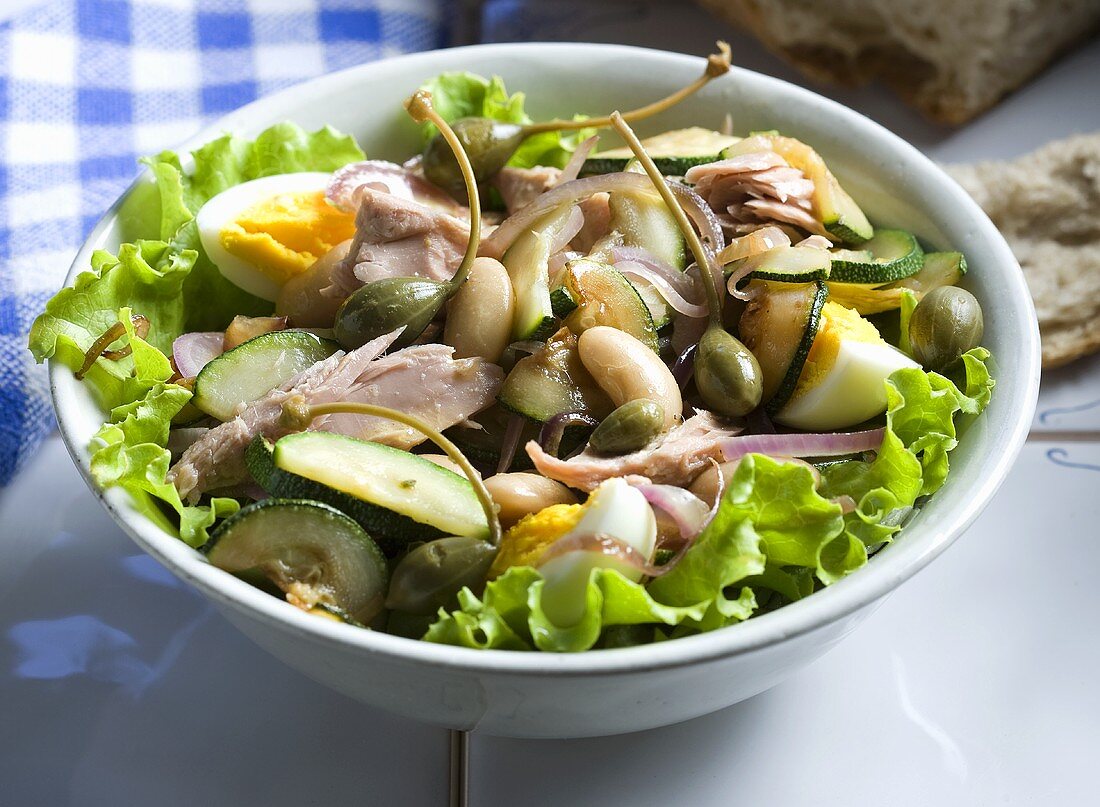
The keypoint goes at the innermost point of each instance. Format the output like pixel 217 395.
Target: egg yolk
pixel 524 543
pixel 284 235
pixel 838 324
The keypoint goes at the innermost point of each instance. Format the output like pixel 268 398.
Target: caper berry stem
pixel 718 64
pixel 103 342
pixel 298 414
pixel 420 108
pixel 714 304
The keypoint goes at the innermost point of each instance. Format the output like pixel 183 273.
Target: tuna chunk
pixel 344 188
pixel 518 186
pixel 677 459
pixel 398 237
pixel 754 189
pixel 423 381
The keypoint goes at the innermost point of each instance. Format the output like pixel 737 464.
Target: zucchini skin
pixel 393 532
pixel 669 166
pixel 809 333
pixel 852 267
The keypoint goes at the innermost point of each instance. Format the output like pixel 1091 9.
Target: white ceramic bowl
pixel 613 691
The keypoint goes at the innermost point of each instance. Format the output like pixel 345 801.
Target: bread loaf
pixel 1047 204
pixel 950 59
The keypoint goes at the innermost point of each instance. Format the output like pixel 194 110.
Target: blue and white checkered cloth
pixel 88 86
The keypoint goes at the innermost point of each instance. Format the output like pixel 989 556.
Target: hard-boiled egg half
pixel 614 509
pixel 842 381
pixel 262 233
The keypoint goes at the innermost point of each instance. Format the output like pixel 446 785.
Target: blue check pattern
pixel 88 86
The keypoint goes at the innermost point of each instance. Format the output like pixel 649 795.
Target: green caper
pixel 429 577
pixel 384 305
pixel 628 428
pixel 944 325
pixel 488 143
pixel 727 374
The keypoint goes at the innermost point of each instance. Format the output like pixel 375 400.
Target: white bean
pixel 626 370
pixel 519 494
pixel 479 316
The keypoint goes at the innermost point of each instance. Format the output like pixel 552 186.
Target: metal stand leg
pixel 460 769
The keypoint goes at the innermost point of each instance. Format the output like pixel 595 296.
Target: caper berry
pixel 727 374
pixel 488 143
pixel 429 577
pixel 382 306
pixel 944 325
pixel 628 428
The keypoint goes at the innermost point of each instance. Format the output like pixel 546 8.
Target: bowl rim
pixel 829 605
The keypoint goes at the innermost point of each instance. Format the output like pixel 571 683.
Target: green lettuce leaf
pixel 147 277
pixel 769 513
pixel 464 95
pixel 129 451
pixel 509 616
pixel 209 301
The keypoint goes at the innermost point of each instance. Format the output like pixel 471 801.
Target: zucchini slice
pixel 840 215
pixel 779 326
pixel 644 220
pixel 788 264
pixel 940 269
pixel 527 262
pixel 553 381
pixel 392 530
pixel 314 554
pixel 402 497
pixel 659 309
pixel 673 152
pixel 887 256
pixel 605 297
pixel 252 369
pixel 562 302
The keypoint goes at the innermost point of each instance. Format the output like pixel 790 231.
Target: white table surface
pixel 974 684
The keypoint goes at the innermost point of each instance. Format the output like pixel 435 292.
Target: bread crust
pixel 950 60
pixel 1047 205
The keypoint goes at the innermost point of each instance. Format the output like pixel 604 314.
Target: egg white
pixel 851 392
pixel 225 208
pixel 615 509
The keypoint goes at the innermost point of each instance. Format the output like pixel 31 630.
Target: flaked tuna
pixel 677 459
pixel 424 381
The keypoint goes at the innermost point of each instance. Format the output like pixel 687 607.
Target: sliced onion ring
pixel 602 544
pixel 639 271
pixel 568 230
pixel 681 280
pixel 757 241
pixel 568 193
pixel 801 445
pixel 686 510
pixel 193 351
pixel 573 168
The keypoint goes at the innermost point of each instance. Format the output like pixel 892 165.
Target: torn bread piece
pixel 1047 205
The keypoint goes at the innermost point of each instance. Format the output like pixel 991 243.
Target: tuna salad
pixel 544 386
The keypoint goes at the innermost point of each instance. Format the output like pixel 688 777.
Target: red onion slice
pixel 639 271
pixel 686 510
pixel 513 432
pixel 815 242
pixel 569 229
pixel 602 544
pixel 761 240
pixel 573 168
pixel 568 193
pixel 193 351
pixel 801 445
pixel 684 282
